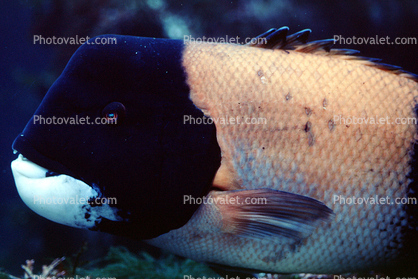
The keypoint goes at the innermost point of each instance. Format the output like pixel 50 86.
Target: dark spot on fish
pixel 324 103
pixel 260 73
pixel 274 258
pixel 358 134
pixel 308 129
pixel 288 97
pixel 308 111
pixel 308 126
pixel 371 169
pixel 222 56
pixel 196 236
pixel 263 148
pixel 311 139
pixel 348 126
pixel 331 125
pixel 284 128
pixel 296 245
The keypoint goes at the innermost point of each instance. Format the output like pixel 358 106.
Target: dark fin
pixel 343 51
pixel 278 39
pixel 316 46
pixel 266 212
pixel 387 67
pixel 299 38
pixel 255 42
pixel 273 38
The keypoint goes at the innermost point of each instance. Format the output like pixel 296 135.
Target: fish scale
pixel 362 160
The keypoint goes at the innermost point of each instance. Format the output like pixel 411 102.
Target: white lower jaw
pixel 62 199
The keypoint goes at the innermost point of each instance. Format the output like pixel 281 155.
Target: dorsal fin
pixel 278 39
pixel 299 38
pixel 273 38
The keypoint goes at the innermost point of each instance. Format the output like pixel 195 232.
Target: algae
pixel 119 263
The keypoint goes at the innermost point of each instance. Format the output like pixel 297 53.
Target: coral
pixel 48 271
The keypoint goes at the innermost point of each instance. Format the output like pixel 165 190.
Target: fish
pixel 279 155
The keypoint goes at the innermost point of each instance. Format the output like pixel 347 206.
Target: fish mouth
pixel 60 197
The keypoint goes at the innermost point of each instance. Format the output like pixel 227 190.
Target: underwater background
pixel 28 70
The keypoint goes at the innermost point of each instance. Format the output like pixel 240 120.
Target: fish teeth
pixel 23 158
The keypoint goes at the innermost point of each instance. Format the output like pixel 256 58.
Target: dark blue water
pixel 16 105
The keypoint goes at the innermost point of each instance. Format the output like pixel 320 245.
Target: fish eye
pixel 114 113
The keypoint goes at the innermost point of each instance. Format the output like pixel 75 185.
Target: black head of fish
pixel 146 157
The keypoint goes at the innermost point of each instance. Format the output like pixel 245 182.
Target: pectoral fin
pixel 267 212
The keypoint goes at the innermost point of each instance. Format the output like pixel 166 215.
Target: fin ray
pixel 285 214
pixel 278 39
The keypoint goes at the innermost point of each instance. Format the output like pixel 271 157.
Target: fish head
pixel 108 149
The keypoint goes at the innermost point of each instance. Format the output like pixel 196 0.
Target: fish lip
pixel 22 146
pixel 56 192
